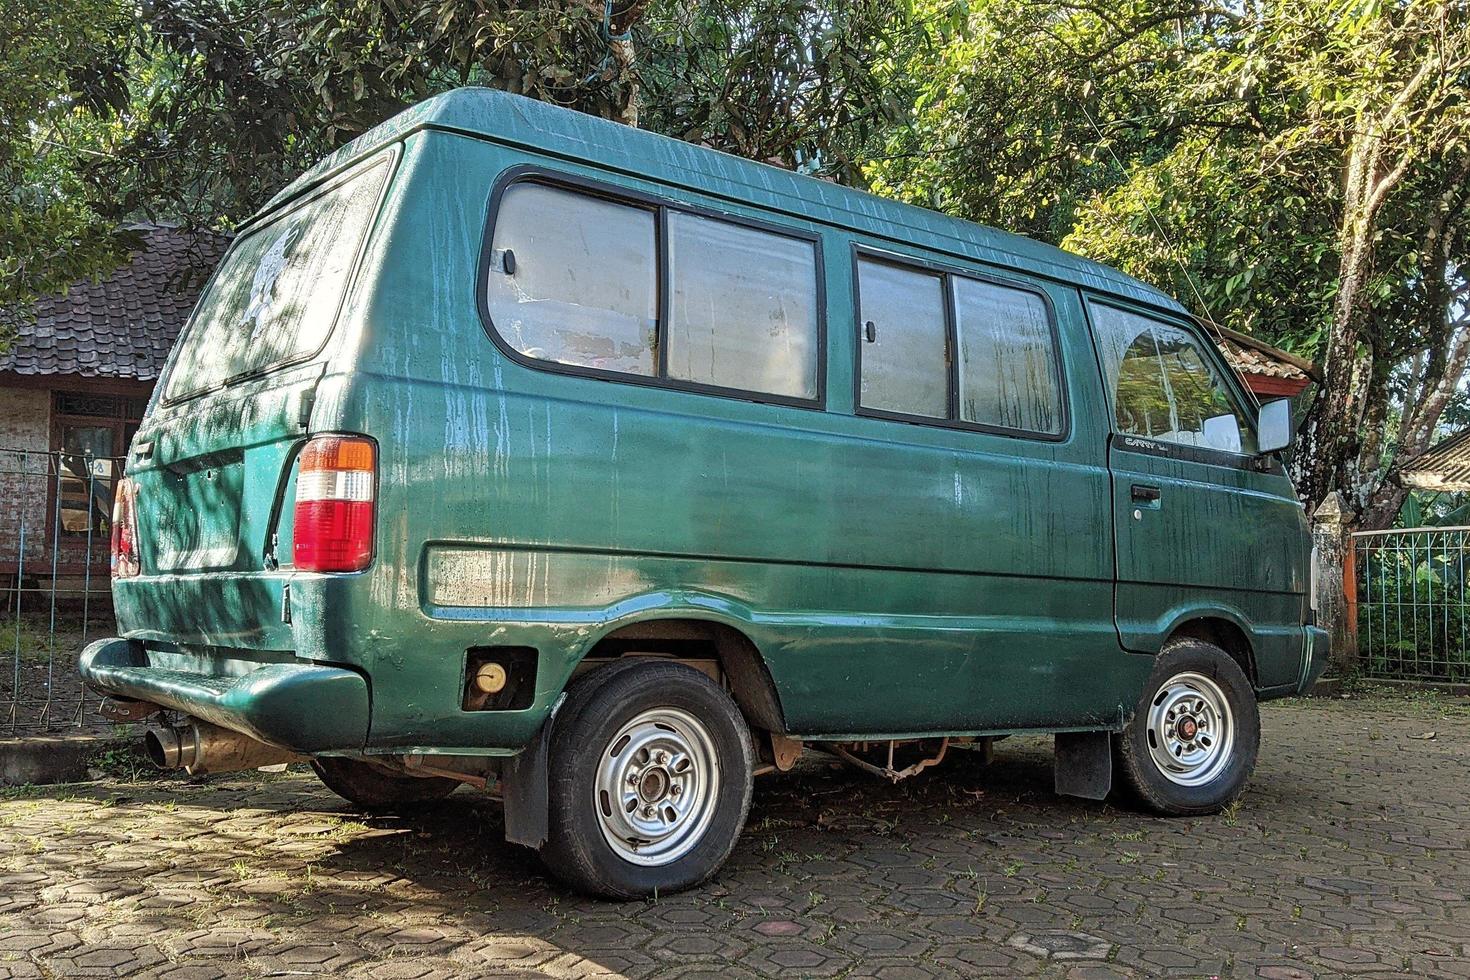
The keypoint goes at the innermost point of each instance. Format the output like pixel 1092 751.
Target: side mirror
pixel 1273 428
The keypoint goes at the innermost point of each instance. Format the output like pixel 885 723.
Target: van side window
pixel 1164 386
pixel 574 279
pixel 1008 361
pixel 903 337
pixel 743 311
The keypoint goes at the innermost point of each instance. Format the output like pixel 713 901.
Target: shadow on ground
pixel 1347 855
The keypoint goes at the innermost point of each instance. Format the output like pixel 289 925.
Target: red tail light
pixel 124 530
pixel 336 488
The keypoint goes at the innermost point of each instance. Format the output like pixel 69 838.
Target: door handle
pixel 1142 493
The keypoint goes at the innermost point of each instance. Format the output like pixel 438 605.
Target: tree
pixel 803 85
pixel 1327 155
pixel 1291 168
pixel 1029 109
pixel 202 109
pixel 233 99
pixel 54 58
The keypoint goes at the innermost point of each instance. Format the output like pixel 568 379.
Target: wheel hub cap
pixel 1191 731
pixel 656 785
pixel 653 785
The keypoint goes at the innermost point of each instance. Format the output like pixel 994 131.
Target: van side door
pixel 975 478
pixel 1202 529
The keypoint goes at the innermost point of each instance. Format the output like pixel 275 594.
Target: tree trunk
pixel 1332 440
pixel 622 16
pixel 623 54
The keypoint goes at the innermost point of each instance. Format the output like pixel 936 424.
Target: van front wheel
pixel 650 780
pixel 1194 736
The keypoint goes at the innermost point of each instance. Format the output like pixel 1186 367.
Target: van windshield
pixel 275 296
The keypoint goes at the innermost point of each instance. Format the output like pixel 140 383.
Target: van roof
pixel 551 130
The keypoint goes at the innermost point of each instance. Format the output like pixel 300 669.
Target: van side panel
pixel 896 578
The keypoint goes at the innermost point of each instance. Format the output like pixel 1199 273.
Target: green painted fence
pixel 1412 600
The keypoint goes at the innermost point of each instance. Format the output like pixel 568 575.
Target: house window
pixel 90 433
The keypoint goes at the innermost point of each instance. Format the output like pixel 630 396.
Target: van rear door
pixel 209 460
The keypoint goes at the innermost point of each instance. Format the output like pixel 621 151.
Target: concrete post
pixel 1329 534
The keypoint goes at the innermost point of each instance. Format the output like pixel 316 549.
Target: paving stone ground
pixel 1347 856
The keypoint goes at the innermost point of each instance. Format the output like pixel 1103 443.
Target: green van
pixel 601 472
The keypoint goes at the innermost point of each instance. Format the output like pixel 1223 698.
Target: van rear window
pixel 274 299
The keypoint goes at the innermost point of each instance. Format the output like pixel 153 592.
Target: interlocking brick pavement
pixel 1347 856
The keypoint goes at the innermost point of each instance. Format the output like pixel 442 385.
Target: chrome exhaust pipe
pixel 200 748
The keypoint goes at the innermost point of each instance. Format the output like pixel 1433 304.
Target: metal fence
pixel 1411 600
pixel 55 537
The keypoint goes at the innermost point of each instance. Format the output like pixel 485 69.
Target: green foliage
pixel 1425 509
pixel 1029 109
pixel 201 109
pixel 808 86
pixel 53 76
pixel 231 99
pixel 1414 609
pixel 1295 169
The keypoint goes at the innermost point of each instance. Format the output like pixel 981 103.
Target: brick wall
pixel 25 424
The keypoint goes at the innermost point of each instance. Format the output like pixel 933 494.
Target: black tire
pixel 377 790
pixel 605 715
pixel 1211 785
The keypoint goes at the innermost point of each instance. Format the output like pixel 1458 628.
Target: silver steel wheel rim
pixel 1191 732
pixel 657 782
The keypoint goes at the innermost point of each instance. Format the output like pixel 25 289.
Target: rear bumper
pixel 1316 650
pixel 303 707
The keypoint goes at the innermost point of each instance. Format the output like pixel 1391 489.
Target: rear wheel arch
pixel 692 639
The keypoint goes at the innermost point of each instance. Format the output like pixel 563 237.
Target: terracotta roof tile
pixel 1248 361
pixel 1444 466
pixel 123 325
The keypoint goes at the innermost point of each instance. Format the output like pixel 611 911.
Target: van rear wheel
pixel 377 790
pixel 650 780
pixel 1195 734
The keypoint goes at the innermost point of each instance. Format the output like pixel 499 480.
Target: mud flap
pixel 1084 764
pixel 526 794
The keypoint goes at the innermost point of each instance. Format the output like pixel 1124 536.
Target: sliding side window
pixel 744 307
pixel 904 340
pixel 574 279
pixel 1004 374
pixel 1008 367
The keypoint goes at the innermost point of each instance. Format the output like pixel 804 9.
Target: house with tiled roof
pixel 73 386
pixel 1269 372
